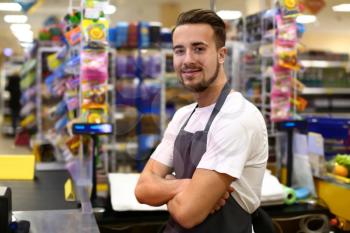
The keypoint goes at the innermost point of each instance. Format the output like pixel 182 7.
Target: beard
pixel 203 84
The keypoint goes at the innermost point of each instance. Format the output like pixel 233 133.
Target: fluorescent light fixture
pixel 6 6
pixel 305 19
pixel 26 39
pixel 109 9
pixel 20 27
pixel 27 33
pixel 229 15
pixel 26 45
pixel 345 7
pixel 24 36
pixel 15 18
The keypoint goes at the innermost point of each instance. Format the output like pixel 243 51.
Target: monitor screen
pixel 92 129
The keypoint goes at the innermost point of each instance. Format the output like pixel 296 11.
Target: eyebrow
pixel 192 44
pixel 199 43
pixel 177 47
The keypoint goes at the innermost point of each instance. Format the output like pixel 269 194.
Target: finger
pixel 226 195
pixel 170 177
pixel 230 189
pixel 222 202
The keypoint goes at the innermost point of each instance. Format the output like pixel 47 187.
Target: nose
pixel 189 57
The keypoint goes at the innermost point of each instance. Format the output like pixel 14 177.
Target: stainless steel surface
pixel 58 221
pixel 49 166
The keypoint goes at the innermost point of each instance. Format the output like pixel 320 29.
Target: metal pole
pixel 213 5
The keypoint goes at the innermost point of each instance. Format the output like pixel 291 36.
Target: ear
pixel 222 52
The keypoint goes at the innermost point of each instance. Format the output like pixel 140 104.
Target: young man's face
pixel 196 58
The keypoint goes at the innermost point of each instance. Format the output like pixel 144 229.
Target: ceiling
pixel 149 10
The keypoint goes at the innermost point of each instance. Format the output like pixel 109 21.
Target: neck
pixel 212 93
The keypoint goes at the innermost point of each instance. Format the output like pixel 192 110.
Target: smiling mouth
pixel 190 72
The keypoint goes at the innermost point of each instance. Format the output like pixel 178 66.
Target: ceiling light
pixel 23 34
pixel 342 7
pixel 20 27
pixel 229 15
pixel 26 39
pixel 109 9
pixel 304 19
pixel 15 18
pixel 26 45
pixel 4 6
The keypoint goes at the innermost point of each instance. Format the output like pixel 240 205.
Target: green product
pixel 290 196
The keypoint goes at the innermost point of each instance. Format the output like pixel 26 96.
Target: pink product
pixel 281 81
pixel 281 86
pixel 91 75
pixel 94 66
pixel 280 107
pixel 286 32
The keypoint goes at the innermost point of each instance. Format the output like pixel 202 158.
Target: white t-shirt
pixel 237 145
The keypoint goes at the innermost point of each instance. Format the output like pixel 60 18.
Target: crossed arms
pixel 189 201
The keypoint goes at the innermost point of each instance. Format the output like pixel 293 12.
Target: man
pixel 213 146
pixel 13 87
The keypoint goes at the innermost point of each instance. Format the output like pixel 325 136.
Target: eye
pixel 179 51
pixel 199 49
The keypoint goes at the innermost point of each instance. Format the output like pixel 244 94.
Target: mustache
pixel 190 67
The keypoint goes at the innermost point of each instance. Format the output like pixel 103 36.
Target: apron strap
pixel 188 119
pixel 221 100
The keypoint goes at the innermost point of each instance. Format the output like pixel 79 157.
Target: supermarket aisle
pixel 7 146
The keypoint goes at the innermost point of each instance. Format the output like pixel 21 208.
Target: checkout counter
pixel 41 201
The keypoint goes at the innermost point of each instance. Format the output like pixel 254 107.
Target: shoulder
pixel 239 116
pixel 237 108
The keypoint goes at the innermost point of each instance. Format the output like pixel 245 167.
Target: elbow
pixel 139 195
pixel 144 196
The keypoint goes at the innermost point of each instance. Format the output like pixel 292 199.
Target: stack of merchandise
pixel 284 101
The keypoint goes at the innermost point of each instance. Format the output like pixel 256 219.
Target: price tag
pixel 92 13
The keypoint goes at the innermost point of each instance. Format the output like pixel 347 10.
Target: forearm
pixel 181 209
pixel 196 201
pixel 155 190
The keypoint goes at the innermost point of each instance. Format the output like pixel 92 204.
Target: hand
pixel 222 200
pixel 170 177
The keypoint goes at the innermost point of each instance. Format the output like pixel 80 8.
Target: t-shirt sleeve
pixel 228 148
pixel 164 151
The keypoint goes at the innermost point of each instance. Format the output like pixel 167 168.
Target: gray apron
pixel 188 151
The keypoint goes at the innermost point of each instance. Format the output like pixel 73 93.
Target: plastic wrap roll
pixel 290 195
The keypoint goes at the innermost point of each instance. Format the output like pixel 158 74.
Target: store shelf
pixel 323 64
pixel 326 91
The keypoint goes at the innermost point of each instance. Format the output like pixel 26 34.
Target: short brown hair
pixel 199 16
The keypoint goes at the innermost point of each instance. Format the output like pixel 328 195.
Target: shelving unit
pixel 326 91
pixel 326 78
pixel 28 99
pixel 44 99
pixel 137 105
pixel 255 65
